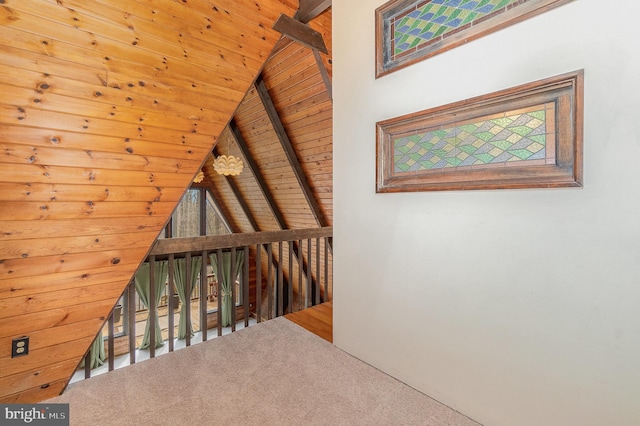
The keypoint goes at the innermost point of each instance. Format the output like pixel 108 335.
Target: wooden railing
pixel 283 272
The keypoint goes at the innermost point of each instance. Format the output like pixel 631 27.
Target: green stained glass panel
pixel 427 22
pixel 519 135
pixel 522 154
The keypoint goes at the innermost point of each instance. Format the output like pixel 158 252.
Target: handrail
pixel 165 246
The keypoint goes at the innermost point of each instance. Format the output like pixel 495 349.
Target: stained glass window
pixel 408 31
pixel 525 136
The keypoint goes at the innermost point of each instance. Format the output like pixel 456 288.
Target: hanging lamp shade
pixel 199 177
pixel 228 165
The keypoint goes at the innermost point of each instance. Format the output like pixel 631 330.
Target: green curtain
pixel 142 279
pixel 226 282
pixel 96 353
pixel 185 289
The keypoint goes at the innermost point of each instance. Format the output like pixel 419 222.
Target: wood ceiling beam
pixel 324 74
pixel 262 184
pixel 309 9
pixel 243 204
pixel 300 32
pixel 281 132
pixel 253 166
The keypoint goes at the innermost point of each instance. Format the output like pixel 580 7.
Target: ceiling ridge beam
pixel 300 32
pixel 309 9
pixel 281 132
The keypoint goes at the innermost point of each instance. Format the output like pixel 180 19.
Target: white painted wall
pixel 515 307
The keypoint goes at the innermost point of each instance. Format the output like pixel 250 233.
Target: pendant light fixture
pixel 199 177
pixel 228 165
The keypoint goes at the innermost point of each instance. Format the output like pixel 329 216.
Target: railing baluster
pixel 204 285
pixel 290 287
pixel 280 288
pixel 245 287
pixel 187 304
pixel 87 365
pixel 309 298
pixel 171 302
pixel 232 285
pixel 326 271
pixel 270 286
pixel 110 342
pixel 300 264
pixel 131 294
pixel 218 276
pixel 318 277
pixel 258 283
pixel 152 306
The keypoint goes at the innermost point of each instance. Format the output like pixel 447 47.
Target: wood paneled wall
pixel 107 111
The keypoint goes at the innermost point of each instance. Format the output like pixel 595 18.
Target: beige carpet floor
pixel 273 373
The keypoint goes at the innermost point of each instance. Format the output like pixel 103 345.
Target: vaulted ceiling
pixel 282 130
pixel 108 109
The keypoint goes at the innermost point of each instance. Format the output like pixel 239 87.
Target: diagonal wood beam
pixel 244 148
pixel 309 9
pixel 324 74
pixel 300 32
pixel 247 212
pixel 269 106
pixel 243 204
pixel 266 193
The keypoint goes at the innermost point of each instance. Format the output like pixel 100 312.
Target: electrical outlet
pixel 20 346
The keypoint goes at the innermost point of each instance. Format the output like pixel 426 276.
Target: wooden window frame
pixel 564 91
pixel 385 64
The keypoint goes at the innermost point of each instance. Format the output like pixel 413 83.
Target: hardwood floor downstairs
pixel 317 319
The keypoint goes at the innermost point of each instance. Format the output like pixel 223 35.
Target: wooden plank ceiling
pixel 108 109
